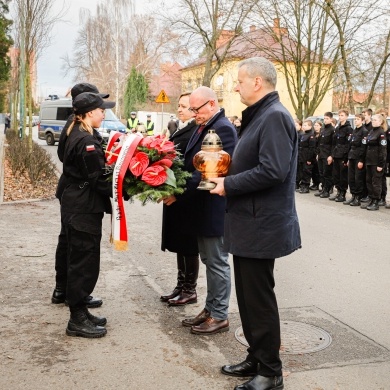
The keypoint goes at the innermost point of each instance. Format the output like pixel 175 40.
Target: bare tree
pixel 205 25
pixel 107 48
pixel 358 30
pixel 34 21
pixel 299 38
pixel 101 49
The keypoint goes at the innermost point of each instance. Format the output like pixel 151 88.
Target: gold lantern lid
pixel 211 141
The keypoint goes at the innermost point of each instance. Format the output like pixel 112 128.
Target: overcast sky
pixel 51 79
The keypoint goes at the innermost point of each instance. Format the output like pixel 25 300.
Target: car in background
pixel 110 123
pixel 53 115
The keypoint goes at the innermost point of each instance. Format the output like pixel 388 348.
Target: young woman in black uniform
pixel 83 203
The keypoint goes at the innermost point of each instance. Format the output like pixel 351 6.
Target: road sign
pixel 162 97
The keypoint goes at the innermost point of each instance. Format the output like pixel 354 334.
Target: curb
pixel 2 156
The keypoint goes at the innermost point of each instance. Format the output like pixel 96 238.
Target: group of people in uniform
pixel 336 155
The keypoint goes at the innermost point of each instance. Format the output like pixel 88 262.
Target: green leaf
pixel 171 178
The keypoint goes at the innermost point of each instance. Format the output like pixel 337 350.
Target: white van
pixel 54 114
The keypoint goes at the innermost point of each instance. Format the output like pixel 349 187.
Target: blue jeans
pixel 217 265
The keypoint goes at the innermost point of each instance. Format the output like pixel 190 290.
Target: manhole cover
pixel 297 337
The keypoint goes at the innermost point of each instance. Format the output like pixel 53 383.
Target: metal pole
pixel 22 116
pixel 162 117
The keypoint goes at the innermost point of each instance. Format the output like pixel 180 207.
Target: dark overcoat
pixel 177 231
pixel 209 208
pixel 261 219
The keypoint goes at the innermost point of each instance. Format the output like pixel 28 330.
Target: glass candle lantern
pixel 211 160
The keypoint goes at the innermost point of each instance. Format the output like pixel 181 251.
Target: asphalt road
pixel 338 282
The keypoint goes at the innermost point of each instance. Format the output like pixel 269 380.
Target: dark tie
pixel 201 127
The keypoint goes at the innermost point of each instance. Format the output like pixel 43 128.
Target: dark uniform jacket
pixel 209 208
pixel 178 234
pixel 261 219
pixel 340 142
pixel 388 144
pixel 325 141
pixel 87 189
pixel 376 147
pixel 358 148
pixel 307 144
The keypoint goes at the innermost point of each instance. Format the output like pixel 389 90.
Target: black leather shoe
pixel 262 383
pixel 90 302
pixel 366 199
pixel 176 291
pixel 58 295
pixel 242 369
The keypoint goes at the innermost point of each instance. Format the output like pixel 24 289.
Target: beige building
pixel 226 78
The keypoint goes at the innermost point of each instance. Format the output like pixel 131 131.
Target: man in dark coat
pixel 209 213
pixel 261 222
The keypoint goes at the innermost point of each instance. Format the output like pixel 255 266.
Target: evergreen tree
pixel 136 92
pixel 5 44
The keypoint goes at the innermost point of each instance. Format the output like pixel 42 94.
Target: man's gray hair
pixel 260 66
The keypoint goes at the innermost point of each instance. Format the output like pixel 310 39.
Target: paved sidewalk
pixel 147 348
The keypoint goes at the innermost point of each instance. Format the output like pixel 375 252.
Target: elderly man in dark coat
pixel 261 222
pixel 209 214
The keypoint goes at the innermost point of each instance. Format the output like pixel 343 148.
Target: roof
pixel 250 44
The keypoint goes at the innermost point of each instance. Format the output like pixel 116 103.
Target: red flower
pixel 138 163
pixel 154 175
pixel 165 162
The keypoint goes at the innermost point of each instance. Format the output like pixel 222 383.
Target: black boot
pixel 382 202
pixel 341 197
pixel 325 193
pixel 59 294
pixel 365 205
pixel 356 202
pixel 180 279
pixel 97 321
pixel 319 192
pixel 349 201
pixel 373 205
pixel 188 294
pixel 334 196
pixel 80 326
pixel 365 199
pixel 304 189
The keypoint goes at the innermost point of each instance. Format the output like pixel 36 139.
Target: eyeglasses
pixel 196 110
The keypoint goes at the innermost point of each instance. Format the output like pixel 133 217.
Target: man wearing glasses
pixel 209 214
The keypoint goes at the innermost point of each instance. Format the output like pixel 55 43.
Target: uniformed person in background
pixel 376 160
pixel 356 162
pixel 132 123
pixel 324 151
pixel 83 203
pixel 306 155
pixel 149 125
pixel 339 157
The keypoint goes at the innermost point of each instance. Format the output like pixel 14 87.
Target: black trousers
pixel 325 171
pixel 83 233
pixel 61 264
pixel 384 184
pixel 305 171
pixel 356 178
pixel 340 174
pixel 315 174
pixel 259 313
pixel 374 182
